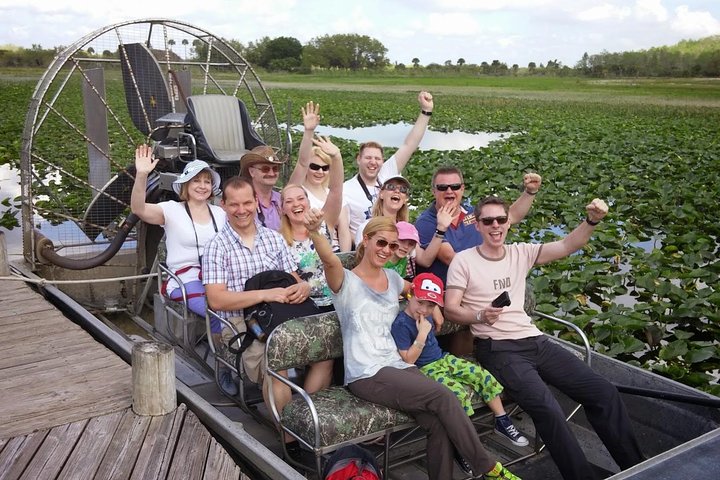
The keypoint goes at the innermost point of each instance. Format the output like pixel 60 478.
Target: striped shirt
pixel 228 260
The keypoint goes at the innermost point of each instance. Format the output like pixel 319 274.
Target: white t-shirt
pixel 359 206
pixel 182 249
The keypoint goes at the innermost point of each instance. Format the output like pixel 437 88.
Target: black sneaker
pixel 505 427
pixel 463 464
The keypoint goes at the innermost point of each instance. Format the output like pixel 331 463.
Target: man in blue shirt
pixel 448 188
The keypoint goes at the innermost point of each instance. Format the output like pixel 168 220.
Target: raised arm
pixel 416 133
pixel 426 256
pixel 334 273
pixel 333 203
pixel 144 164
pixel 343 229
pixel 575 240
pixel 520 207
pixel 311 119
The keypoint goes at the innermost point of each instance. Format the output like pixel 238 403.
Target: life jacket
pixel 352 462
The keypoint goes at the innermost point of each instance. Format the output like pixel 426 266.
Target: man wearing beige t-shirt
pixel 518 354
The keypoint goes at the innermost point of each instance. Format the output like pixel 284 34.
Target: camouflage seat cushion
pixel 342 417
pixel 302 341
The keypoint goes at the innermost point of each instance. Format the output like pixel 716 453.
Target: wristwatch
pixel 478 316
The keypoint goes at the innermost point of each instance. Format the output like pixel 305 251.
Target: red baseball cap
pixel 428 286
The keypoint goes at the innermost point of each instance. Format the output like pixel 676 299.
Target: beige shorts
pixel 253 358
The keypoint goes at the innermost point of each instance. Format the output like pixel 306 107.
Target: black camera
pixel 502 300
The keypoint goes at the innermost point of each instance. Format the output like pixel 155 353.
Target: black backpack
pixel 268 315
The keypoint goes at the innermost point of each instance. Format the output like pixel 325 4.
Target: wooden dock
pixel 66 407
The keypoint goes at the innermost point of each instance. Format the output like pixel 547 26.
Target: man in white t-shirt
pixel 361 190
pixel 518 354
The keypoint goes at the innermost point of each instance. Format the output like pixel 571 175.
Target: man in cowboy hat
pixel 261 166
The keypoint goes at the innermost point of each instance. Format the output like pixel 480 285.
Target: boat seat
pixel 176 321
pixel 221 127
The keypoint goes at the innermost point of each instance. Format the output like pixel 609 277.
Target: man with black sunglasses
pixel 362 189
pixel 518 354
pixel 448 188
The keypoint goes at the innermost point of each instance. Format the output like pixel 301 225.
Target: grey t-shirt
pixel 365 320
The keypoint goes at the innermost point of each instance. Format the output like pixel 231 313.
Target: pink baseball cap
pixel 407 231
pixel 428 286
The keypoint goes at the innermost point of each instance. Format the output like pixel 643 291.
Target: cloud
pixel 696 24
pixel 452 24
pixel 604 12
pixel 652 10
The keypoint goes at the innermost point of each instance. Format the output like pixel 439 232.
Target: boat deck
pixel 66 409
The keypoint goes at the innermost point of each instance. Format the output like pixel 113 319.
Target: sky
pixel 512 31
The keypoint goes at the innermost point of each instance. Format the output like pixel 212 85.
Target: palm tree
pixel 415 62
pixel 171 42
pixel 185 44
pixel 461 62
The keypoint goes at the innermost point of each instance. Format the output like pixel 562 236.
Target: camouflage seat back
pixel 301 341
pixel 347 259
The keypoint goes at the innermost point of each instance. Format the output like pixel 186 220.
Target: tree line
pixel 353 52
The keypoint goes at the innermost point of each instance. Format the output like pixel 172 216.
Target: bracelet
pixel 439 233
pixel 478 316
pixel 532 193
pixel 590 222
pixel 419 345
pixel 426 113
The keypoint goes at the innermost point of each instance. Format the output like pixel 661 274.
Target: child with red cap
pixel 414 334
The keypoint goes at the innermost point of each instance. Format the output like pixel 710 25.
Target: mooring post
pixel 4 265
pixel 153 375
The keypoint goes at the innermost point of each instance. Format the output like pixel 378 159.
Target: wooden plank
pixel 169 453
pixel 26 353
pixel 77 363
pixel 13 460
pixel 191 451
pixel 90 449
pixel 159 437
pixel 219 464
pixel 53 452
pixel 124 448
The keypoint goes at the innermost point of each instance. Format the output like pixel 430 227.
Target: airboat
pixel 192 95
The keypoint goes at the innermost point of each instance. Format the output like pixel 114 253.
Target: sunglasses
pixel 452 186
pixel 316 167
pixel 391 187
pixel 382 243
pixel 267 168
pixel 489 220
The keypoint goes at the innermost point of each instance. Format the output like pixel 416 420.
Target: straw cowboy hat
pixel 259 154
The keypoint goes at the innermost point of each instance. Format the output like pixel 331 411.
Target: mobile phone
pixel 502 300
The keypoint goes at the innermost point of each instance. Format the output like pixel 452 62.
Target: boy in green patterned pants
pixel 413 331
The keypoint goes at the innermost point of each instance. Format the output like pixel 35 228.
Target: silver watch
pixel 478 317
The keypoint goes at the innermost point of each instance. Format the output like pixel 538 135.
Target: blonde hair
pixel 317 152
pixel 402 215
pixel 184 188
pixel 375 225
pixel 285 227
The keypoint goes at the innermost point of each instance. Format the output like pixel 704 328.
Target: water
pixel 393 135
pixel 10 188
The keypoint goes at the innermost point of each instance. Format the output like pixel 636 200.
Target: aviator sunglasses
pixel 489 220
pixel 391 187
pixel 267 168
pixel 382 243
pixel 316 167
pixel 452 186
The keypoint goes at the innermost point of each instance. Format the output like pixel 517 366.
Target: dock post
pixel 4 265
pixel 153 378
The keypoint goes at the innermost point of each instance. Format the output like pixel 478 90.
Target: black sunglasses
pixel 452 186
pixel 316 167
pixel 391 187
pixel 382 243
pixel 489 220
